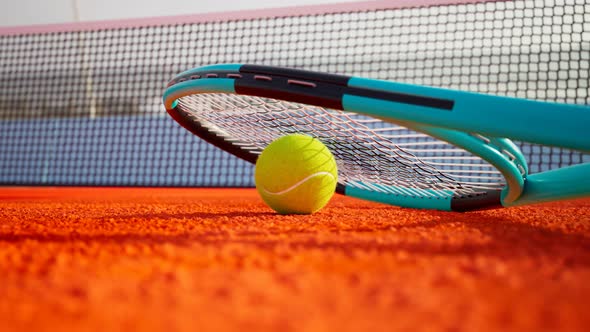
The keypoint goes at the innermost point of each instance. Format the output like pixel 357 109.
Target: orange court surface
pixel 114 259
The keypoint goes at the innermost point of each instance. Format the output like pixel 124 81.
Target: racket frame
pixel 475 122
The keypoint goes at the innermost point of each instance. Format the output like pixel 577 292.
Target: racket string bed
pixel 371 153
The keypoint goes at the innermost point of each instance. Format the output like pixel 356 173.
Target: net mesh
pixel 83 107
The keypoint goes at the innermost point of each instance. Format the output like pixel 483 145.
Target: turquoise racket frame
pixel 478 123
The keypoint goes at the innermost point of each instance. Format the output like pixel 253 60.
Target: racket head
pixel 242 108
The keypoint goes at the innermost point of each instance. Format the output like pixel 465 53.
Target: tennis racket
pixel 395 143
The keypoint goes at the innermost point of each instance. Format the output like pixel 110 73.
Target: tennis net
pixel 80 104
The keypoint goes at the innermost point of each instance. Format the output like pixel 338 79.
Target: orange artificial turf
pixel 106 259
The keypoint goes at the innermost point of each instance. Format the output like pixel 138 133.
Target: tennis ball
pixel 296 174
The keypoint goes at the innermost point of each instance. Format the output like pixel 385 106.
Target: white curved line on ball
pixel 298 183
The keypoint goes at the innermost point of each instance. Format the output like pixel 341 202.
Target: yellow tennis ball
pixel 296 174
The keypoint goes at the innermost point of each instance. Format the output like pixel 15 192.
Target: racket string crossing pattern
pixel 370 153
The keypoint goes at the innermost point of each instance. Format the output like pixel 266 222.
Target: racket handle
pixel 564 183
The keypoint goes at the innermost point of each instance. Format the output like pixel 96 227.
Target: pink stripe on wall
pixel 230 16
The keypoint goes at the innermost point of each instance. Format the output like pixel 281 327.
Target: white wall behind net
pixel 28 12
